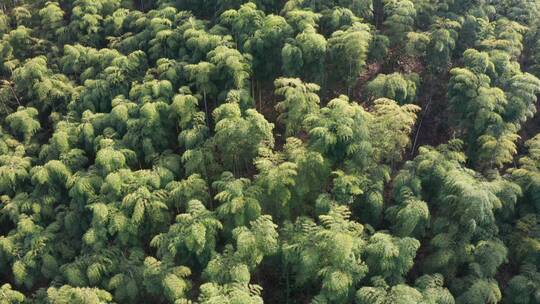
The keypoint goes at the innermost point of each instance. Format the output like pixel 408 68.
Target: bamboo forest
pixel 269 151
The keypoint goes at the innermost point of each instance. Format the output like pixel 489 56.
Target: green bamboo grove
pixel 269 151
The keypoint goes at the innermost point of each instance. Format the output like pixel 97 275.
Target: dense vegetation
pixel 301 151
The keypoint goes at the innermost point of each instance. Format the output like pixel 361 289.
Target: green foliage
pixel 35 81
pixel 521 98
pixel 67 294
pixel 257 241
pixel 300 99
pixel 337 18
pixel 443 36
pixel 52 17
pixel 191 188
pixel 348 50
pixel 527 173
pixel 328 253
pixel 481 291
pixel 507 38
pixel 390 257
pixel 239 204
pixel 463 199
pixel 304 56
pixel 400 15
pixel 97 94
pixel 523 288
pixel 253 242
pixel 401 88
pixel 231 66
pixel 23 122
pixel 480 106
pixel 197 158
pixel 164 278
pixel 410 217
pixel 276 178
pixel 238 136
pixel 230 293
pixel 265 46
pixel 394 124
pixel 243 22
pixel 14 169
pixel 8 295
pixel 182 151
pixel 378 49
pixel 194 233
pixel 429 289
pixel 340 130
pixel 86 22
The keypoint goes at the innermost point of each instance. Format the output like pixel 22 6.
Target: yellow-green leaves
pixel 399 87
pixel 328 254
pixel 300 100
pixel 67 294
pixel 238 136
pixel 348 50
pixel 10 296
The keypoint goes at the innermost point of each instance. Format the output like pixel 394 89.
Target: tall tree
pixel 348 50
pixel 300 100
pixel 238 136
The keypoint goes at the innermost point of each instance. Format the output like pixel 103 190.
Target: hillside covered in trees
pixel 269 151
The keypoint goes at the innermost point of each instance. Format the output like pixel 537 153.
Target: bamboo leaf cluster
pixel 264 151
